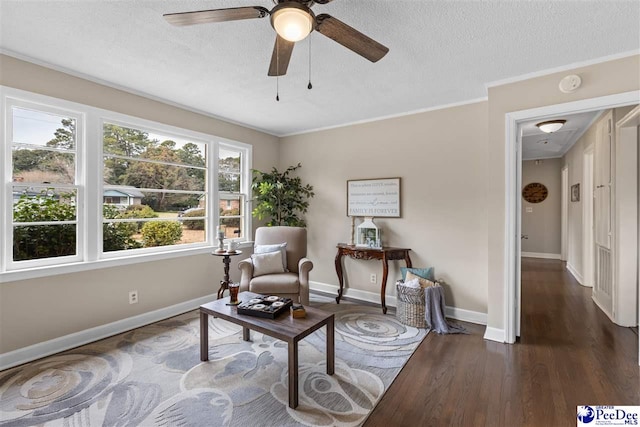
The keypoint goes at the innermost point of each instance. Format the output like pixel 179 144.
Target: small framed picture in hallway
pixel 575 193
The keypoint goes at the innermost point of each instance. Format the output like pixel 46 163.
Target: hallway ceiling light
pixel 551 125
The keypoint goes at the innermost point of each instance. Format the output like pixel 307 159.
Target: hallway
pixel 570 354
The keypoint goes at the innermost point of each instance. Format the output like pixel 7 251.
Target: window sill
pixel 37 272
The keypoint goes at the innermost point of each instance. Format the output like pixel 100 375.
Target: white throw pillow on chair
pixel 279 247
pixel 267 263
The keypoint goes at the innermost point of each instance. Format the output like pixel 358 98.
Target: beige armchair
pixel 293 284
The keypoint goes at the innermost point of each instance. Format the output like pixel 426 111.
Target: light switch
pixel 529 209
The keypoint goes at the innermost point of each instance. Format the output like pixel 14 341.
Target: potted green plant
pixel 280 197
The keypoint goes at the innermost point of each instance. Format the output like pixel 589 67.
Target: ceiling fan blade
pixel 216 15
pixel 322 1
pixel 350 38
pixel 280 57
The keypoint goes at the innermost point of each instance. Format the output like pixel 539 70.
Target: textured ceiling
pixel 441 52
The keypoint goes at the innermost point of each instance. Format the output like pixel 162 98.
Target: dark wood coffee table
pixel 283 327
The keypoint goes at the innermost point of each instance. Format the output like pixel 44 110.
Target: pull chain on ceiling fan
pixel 292 20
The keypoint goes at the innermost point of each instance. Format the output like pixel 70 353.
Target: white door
pixel 603 284
pixel 588 248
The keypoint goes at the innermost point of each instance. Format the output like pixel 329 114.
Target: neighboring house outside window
pixel 155 191
pixel 122 196
pixel 233 188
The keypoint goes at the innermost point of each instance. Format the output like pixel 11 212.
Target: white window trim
pixel 59 109
pixel 245 184
pixel 90 159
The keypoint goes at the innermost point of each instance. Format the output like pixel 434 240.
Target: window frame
pixel 89 182
pixel 167 131
pixel 63 110
pixel 245 187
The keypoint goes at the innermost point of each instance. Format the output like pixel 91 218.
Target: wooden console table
pixel 384 254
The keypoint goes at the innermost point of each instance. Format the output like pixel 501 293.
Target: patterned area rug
pixel 152 376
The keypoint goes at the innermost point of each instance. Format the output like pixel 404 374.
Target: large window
pixel 154 189
pixel 83 185
pixel 44 186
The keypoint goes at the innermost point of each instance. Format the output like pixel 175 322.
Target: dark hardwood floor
pixel 570 354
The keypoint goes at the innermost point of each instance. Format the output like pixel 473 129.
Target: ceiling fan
pixel 292 20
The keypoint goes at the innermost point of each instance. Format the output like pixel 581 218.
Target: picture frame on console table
pixel 376 197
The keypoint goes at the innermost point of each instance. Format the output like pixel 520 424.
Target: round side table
pixel 224 284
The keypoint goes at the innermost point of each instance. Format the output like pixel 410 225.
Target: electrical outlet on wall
pixel 373 278
pixel 133 297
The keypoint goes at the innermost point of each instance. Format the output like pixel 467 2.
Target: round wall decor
pixel 535 192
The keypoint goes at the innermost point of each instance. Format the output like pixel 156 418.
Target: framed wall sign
pixel 374 197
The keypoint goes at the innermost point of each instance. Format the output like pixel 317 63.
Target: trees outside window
pixel 155 191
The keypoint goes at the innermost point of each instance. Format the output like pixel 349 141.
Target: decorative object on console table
pixel 226 260
pixel 369 234
pixel 385 254
pixel 353 231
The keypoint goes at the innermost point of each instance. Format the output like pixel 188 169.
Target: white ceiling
pixel 540 145
pixel 441 52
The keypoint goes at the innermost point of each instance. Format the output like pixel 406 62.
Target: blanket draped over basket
pixel 424 308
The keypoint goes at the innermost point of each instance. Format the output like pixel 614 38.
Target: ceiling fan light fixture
pixel 551 126
pixel 292 21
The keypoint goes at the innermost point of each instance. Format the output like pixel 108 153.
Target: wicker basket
pixel 410 305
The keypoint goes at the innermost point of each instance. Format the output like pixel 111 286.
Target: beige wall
pixel 574 161
pixel 440 157
pixel 37 310
pixel 617 76
pixel 542 224
pixel 452 165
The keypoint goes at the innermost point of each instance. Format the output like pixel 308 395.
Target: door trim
pixel 588 240
pixel 512 216
pixel 564 212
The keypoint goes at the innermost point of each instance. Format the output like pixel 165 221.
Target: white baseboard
pixel 540 255
pixel 575 273
pixel 466 315
pixel 601 307
pixel 56 345
pixel 373 297
pixel 494 334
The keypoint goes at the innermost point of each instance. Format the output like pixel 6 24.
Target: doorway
pixel 513 183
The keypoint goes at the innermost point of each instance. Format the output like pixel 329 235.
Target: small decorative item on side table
pixel 224 283
pixel 220 237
